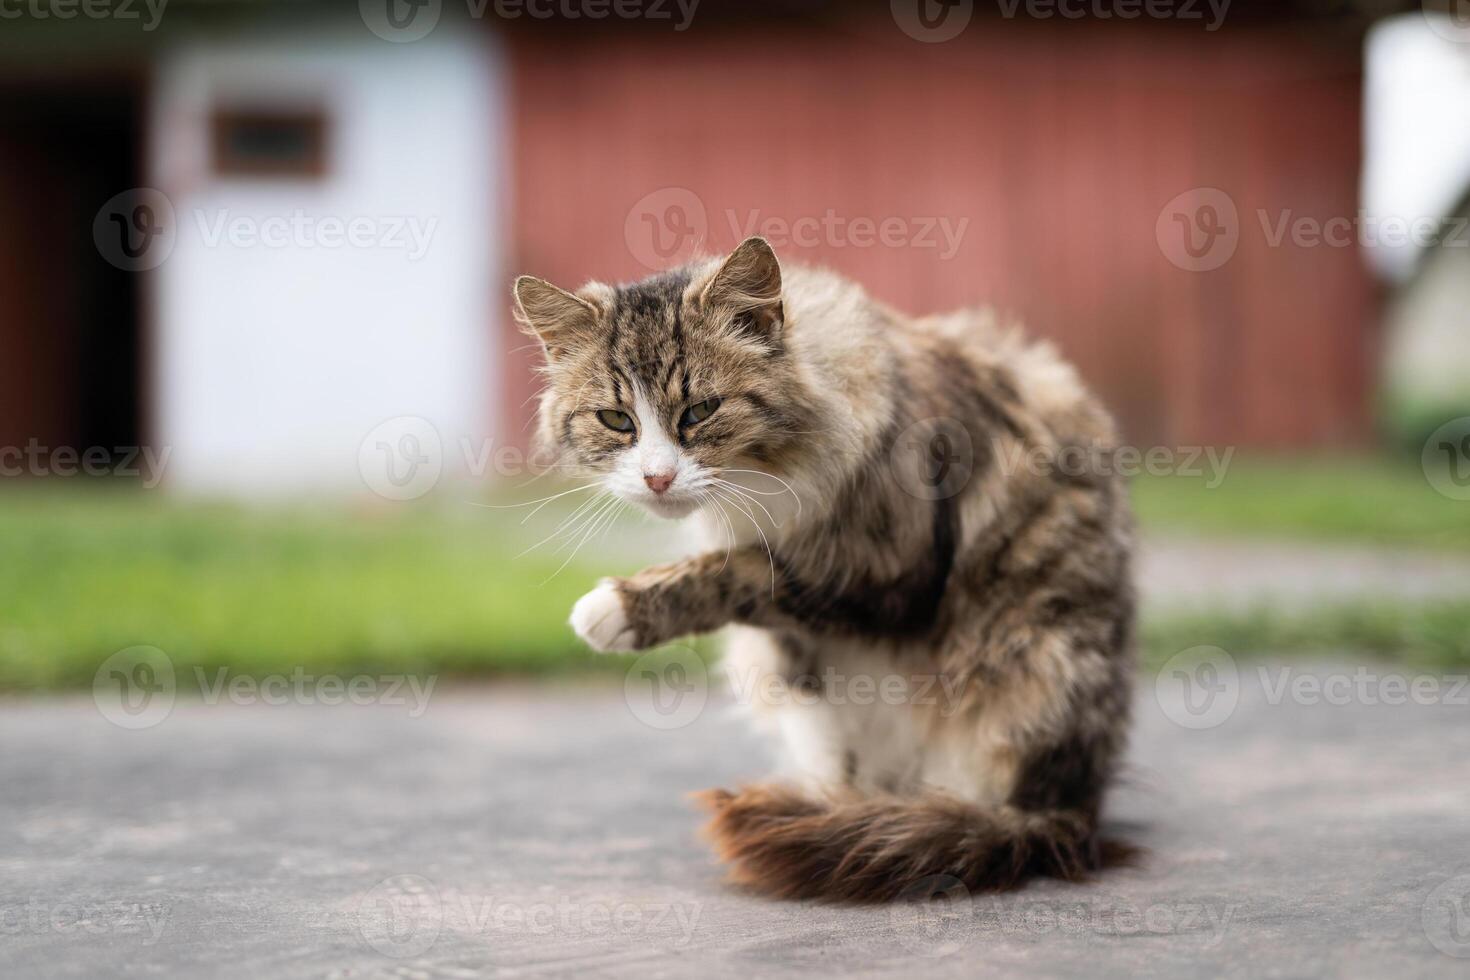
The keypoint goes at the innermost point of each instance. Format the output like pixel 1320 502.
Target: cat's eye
pixel 616 420
pixel 699 411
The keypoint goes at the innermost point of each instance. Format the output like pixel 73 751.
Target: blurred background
pixel 263 405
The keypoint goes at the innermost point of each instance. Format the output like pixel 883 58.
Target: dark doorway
pixel 70 337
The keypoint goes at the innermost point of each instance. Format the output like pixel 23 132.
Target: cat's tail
pixel 787 844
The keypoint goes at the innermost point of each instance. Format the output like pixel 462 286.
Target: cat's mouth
pixel 670 506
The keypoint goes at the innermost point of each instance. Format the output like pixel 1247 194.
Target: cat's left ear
pixel 749 283
pixel 559 319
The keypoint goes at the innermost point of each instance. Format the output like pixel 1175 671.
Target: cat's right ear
pixel 551 314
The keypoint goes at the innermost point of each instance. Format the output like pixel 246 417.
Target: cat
pixel 886 509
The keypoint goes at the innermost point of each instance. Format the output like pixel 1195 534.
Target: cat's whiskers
pixel 709 500
pixel 770 555
pixel 587 522
pixel 740 492
pixel 788 488
pixel 599 521
pixel 539 503
pixel 559 469
pixel 574 516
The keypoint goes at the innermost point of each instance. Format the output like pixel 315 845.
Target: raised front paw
pixel 601 619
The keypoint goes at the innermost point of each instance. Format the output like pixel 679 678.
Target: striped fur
pixel 842 561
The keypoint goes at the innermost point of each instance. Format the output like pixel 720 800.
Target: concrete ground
pixel 543 832
pixel 1215 573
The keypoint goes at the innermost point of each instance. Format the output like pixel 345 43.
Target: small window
pixel 269 143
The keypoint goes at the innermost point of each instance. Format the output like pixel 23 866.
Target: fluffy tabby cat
pixel 883 514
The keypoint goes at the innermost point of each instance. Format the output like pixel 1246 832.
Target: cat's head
pixel 663 385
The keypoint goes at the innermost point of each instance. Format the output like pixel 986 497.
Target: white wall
pixel 1416 127
pixel 273 362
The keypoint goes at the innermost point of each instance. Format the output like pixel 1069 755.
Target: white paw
pixel 600 620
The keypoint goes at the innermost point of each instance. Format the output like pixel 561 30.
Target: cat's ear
pixel 749 283
pixel 553 315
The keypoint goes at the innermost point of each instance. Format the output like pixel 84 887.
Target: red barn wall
pixel 1059 145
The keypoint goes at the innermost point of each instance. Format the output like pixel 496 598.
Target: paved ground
pixel 1213 572
pixel 536 832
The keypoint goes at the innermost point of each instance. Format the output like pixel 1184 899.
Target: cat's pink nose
pixel 658 482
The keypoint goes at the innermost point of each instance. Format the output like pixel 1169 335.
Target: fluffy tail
pixel 877 849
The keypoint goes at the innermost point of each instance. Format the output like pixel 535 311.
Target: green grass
pixel 1427 634
pixel 86 574
pixel 438 589
pixel 1376 501
pixel 1365 500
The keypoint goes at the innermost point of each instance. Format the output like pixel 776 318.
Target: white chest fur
pixel 864 721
